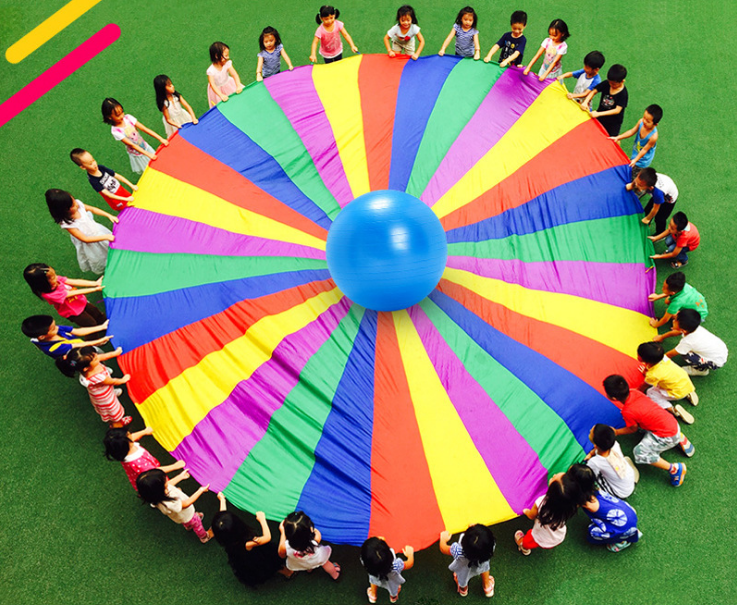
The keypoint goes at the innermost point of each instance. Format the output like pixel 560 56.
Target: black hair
pixel 617 73
pixel 36 325
pixel 467 10
pixel 681 221
pixel 117 444
pixel 656 111
pixel 160 84
pixel 216 51
pixel 76 155
pixel 300 532
pixel 232 533
pixel 36 277
pixel 325 11
pixel 269 31
pixel 151 486
pixel 688 319
pixel 406 9
pixel 616 387
pixel 648 176
pixel 584 479
pixel 518 17
pixel 604 437
pixel 478 544
pixel 560 503
pixel 561 27
pixel 594 60
pixel 377 557
pixel 651 352
pixel 75 361
pixel 676 281
pixel 109 105
pixel 61 205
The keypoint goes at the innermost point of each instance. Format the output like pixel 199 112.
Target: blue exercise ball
pixel 386 250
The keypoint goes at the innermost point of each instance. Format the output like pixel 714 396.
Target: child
pixel 613 102
pixel 668 382
pixel 328 36
pixel 90 239
pixel 176 111
pixel 299 543
pixel 60 292
pixel 613 521
pixel 384 568
pixel 678 295
pixel 125 127
pixel 97 379
pixel 156 489
pixel 550 513
pixel 104 180
pixel 701 350
pixel 588 77
pixel 401 37
pixel 512 43
pixel 646 138
pixel 614 472
pixel 466 35
pixel 122 445
pixel 681 238
pixel 253 558
pixel 222 78
pixel 471 556
pixel 554 47
pixel 664 194
pixel 56 341
pixel 661 429
pixel 272 51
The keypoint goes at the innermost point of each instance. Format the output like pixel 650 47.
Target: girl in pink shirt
pixel 328 36
pixel 62 293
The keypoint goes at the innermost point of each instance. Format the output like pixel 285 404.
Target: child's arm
pixel 650 143
pixel 120 177
pixel 234 74
pixel 578 95
pixel 585 104
pixel 313 58
pixel 194 497
pixel 111 355
pixel 282 541
pixel 111 196
pixel 476 48
pixel 656 323
pixel 138 148
pixel 494 48
pixel 675 252
pixel 91 329
pixel 83 291
pixel 409 552
pixel 138 435
pixel 509 59
pixel 443 542
pixel 116 381
pixel 84 282
pixel 447 41
pixel 672 353
pixel 538 54
pixel 387 44
pixel 531 513
pixel 93 286
pixel 348 39
pixel 265 536
pixel 550 68
pixel 669 334
pixel 609 112
pixel 318 535
pixel 420 46
pixel 92 343
pixel 659 236
pixel 568 74
pixel 168 119
pixel 99 212
pixel 168 468
pixel 259 69
pixel 179 478
pixel 216 88
pixel 654 297
pixel 151 133
pixel 628 134
pixel 628 430
pixel 190 111
pixel 651 215
pixel 287 60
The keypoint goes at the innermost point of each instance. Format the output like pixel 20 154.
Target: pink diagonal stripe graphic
pixel 58 72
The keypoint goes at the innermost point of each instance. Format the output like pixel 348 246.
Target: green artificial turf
pixel 72 530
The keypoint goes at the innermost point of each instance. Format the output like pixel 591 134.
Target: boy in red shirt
pixel 661 429
pixel 680 237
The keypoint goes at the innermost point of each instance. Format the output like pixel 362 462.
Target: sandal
pixel 489 590
pixel 461 591
pixel 678 264
pixel 518 535
pixel 371 596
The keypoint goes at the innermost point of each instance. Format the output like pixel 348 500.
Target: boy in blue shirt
pixel 512 43
pixel 646 139
pixel 56 341
pixel 588 77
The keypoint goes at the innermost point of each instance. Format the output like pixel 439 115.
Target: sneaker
pixel 692 371
pixel 676 478
pixel 489 590
pixel 619 546
pixel 687 447
pixel 692 398
pixel 518 535
pixel 680 412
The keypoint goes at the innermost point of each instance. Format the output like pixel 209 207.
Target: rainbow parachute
pixel 275 388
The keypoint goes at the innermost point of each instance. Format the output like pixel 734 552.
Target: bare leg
pixel 332 569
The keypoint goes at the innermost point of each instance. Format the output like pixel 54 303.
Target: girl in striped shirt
pixel 466 35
